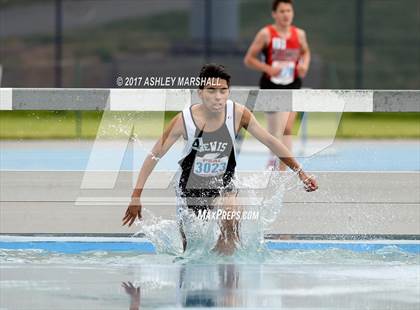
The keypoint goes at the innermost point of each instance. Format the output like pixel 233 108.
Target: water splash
pixel 202 235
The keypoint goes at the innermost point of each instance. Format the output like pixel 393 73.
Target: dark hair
pixel 213 71
pixel 277 2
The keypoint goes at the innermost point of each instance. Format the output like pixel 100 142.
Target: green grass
pixel 63 125
pixel 366 125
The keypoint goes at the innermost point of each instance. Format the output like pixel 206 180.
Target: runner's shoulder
pixel 301 32
pixel 239 108
pixel 263 33
pixel 177 122
pixel 242 113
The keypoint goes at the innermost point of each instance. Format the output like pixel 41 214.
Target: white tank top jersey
pixel 191 128
pixel 209 158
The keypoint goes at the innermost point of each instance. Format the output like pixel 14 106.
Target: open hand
pixel 133 211
pixel 134 293
pixel 310 183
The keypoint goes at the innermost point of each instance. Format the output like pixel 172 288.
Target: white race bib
pixel 207 167
pixel 287 72
pixel 279 44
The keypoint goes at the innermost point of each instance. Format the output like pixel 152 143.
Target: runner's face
pixel 215 95
pixel 283 16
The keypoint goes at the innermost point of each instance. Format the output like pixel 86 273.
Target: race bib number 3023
pixel 206 167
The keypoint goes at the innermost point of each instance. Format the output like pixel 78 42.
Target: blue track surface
pixel 348 156
pixel 148 248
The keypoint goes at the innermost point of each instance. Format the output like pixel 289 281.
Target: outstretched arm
pixel 169 137
pixel 249 122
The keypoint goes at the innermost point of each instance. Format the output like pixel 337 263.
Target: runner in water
pixel 209 160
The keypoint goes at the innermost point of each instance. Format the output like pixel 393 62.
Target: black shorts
pixel 265 83
pixel 203 199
